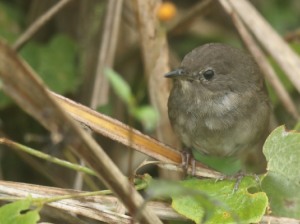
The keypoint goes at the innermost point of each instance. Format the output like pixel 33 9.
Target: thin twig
pixel 262 61
pixel 286 58
pixel 40 168
pixel 46 156
pixel 41 21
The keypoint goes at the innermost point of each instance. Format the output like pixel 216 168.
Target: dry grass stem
pixel 30 93
pixel 262 61
pixel 286 58
pixel 156 63
pixel 41 21
pixel 107 52
pixel 103 208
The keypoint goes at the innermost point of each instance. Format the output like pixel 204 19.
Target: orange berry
pixel 166 11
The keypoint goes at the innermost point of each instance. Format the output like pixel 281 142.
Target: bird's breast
pixel 221 127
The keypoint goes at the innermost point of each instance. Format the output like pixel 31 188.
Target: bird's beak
pixel 178 74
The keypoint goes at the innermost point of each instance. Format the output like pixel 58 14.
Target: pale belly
pixel 210 136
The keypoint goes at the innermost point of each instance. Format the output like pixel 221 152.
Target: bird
pixel 219 104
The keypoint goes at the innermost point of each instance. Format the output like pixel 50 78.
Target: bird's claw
pixel 239 176
pixel 187 156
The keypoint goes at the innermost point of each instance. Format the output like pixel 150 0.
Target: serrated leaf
pixel 11 213
pixel 120 87
pixel 282 184
pixel 240 206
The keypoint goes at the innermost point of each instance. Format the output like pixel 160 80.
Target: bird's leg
pixel 238 178
pixel 187 156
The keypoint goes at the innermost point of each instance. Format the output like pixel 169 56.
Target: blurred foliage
pixel 283 15
pixel 10 18
pixel 55 61
pixel 144 114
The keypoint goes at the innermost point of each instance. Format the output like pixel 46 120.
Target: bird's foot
pixel 187 156
pixel 238 178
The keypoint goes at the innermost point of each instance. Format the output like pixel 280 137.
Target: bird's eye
pixel 209 74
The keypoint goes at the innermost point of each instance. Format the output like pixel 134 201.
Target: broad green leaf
pixel 282 184
pixel 120 87
pixel 241 205
pixel 11 213
pixel 177 190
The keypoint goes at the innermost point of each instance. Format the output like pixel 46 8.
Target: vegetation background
pixel 65 53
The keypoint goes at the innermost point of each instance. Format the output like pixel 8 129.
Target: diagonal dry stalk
pixel 286 58
pixel 262 61
pixel 41 21
pixel 120 132
pixel 22 84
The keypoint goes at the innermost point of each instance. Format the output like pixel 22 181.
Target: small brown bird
pixel 219 104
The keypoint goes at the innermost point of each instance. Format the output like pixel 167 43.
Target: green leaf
pixel 147 115
pixel 241 205
pixel 282 184
pixel 177 191
pixel 120 87
pixel 11 213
